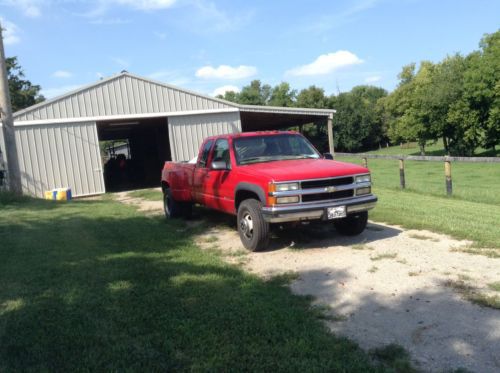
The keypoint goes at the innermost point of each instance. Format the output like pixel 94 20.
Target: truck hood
pixel 302 169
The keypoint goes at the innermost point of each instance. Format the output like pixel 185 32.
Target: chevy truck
pixel 265 178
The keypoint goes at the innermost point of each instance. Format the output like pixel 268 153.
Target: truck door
pixel 201 173
pixel 218 183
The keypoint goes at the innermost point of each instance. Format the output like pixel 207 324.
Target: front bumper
pixel 317 210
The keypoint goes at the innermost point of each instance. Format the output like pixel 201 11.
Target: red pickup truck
pixel 269 177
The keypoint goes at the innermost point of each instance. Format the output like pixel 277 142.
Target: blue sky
pixel 208 45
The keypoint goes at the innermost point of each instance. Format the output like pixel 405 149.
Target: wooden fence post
pixel 402 173
pixel 447 174
pixel 365 162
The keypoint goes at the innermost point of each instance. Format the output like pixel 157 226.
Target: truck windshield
pixel 256 149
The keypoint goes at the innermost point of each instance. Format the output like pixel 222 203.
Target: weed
pixel 284 278
pixel 473 295
pixel 418 236
pixel 413 273
pixel 361 247
pixel 394 357
pixel 211 239
pixel 494 286
pixel 373 269
pixel 384 256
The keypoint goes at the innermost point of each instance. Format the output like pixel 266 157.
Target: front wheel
pixel 352 225
pixel 253 229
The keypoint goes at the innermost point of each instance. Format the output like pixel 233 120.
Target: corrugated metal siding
pixel 187 132
pixel 121 95
pixel 57 156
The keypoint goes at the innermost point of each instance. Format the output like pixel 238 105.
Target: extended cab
pixel 269 177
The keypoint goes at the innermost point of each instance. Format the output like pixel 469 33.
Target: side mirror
pixel 219 165
pixel 328 156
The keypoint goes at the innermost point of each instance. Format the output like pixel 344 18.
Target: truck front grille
pixel 327 196
pixel 326 182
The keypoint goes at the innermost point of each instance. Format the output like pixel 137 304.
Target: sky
pixel 213 46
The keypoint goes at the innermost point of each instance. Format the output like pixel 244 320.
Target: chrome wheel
pixel 246 226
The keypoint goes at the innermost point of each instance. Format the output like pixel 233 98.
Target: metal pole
pixel 330 133
pixel 364 162
pixel 13 175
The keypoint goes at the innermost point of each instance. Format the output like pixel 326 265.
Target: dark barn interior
pixel 149 148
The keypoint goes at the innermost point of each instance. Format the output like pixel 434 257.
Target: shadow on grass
pixel 94 285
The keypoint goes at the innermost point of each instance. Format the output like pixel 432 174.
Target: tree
pixel 312 97
pixel 22 92
pixel 282 95
pixel 358 124
pixel 255 93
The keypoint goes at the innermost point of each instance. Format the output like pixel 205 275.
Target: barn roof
pixel 126 94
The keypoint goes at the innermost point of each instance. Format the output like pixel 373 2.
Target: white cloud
pixel 373 79
pixel 57 91
pixel 10 32
pixel 62 74
pixel 224 89
pixel 326 64
pixel 146 4
pixel 30 8
pixel 226 72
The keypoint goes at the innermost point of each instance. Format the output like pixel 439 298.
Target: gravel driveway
pixel 388 285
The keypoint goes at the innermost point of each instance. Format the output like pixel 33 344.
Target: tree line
pixel 456 100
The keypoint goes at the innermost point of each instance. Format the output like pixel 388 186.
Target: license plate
pixel 336 212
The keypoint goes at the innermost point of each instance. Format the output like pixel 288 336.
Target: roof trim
pixel 114 77
pixel 120 117
pixel 286 110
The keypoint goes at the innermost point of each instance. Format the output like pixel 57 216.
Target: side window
pixel 221 151
pixel 202 162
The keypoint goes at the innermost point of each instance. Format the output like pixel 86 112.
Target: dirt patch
pixel 407 300
pixel 149 207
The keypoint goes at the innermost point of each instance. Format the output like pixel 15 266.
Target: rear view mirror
pixel 219 165
pixel 328 156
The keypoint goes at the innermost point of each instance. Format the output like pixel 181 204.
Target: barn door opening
pixel 133 152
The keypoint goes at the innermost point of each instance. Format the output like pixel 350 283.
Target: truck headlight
pixel 285 187
pixel 293 199
pixel 363 178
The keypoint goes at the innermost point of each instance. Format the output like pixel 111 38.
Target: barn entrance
pixel 133 152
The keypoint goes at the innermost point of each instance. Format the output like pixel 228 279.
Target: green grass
pixel 432 148
pixel 147 194
pixel 97 286
pixel 473 295
pixel 478 222
pixel 474 182
pixel 494 286
pixel 395 357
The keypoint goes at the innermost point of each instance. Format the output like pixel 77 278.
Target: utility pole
pixel 13 172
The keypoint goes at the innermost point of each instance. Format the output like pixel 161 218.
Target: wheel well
pixel 164 186
pixel 242 195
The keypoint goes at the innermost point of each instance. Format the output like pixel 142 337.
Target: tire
pixel 253 229
pixel 171 207
pixel 187 210
pixel 352 225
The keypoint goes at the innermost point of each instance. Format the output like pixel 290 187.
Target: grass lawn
pixel 472 213
pixel 95 285
pixel 432 148
pixel 147 194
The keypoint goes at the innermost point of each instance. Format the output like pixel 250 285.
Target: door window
pixel 221 152
pixel 202 162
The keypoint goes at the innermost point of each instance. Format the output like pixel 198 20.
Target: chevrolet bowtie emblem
pixel 330 189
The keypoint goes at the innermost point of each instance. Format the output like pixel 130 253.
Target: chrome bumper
pixel 317 210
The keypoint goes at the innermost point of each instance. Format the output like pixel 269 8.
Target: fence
pixel 402 158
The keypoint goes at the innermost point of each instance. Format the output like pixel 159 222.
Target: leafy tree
pixel 22 92
pixel 255 93
pixel 312 97
pixel 282 95
pixel 358 124
pixel 230 96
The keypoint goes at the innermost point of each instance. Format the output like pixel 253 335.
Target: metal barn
pixel 58 141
